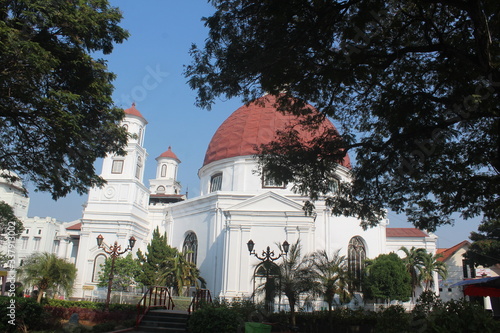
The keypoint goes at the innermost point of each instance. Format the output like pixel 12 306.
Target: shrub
pixel 461 316
pixel 393 319
pixel 220 319
pixel 28 314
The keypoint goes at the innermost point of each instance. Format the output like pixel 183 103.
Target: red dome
pixel 134 112
pixel 170 154
pixel 251 126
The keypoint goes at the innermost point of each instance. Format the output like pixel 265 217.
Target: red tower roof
pixel 252 125
pixel 134 112
pixel 170 154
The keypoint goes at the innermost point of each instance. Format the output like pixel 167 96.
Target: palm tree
pixel 185 273
pixel 430 265
pixel 180 273
pixel 48 272
pixel 413 263
pixel 297 278
pixel 332 275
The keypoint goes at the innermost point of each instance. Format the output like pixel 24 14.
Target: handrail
pixel 161 299
pixel 200 297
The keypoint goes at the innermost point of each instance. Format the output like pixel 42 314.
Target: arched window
pixel 190 247
pixel 216 182
pixel 356 260
pixel 160 189
pixel 99 261
pixel 139 137
pixel 269 182
pixel 164 170
pixel 139 167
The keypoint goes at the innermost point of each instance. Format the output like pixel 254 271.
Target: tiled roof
pixel 253 125
pixel 170 154
pixel 405 232
pixel 447 253
pixel 134 112
pixel 76 226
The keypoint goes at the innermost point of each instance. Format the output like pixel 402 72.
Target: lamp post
pixel 267 258
pixel 268 255
pixel 114 251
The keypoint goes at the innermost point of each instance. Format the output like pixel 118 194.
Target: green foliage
pixel 296 278
pixel 219 318
pixel 422 265
pixel 413 87
pixel 157 260
pixel 430 265
pixel 332 274
pixel 461 316
pixel 55 98
pixel 88 305
pixel 125 272
pixel 10 225
pixel 48 272
pixel 10 228
pixel 165 265
pixel 485 247
pixel 28 313
pixel 393 319
pixel 387 278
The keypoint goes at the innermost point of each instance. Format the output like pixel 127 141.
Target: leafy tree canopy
pixel 48 272
pixel 10 225
pixel 413 87
pixel 158 260
pixel 387 278
pixel 485 247
pixel 55 98
pixel 125 273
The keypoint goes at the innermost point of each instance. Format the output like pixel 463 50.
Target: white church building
pixel 236 204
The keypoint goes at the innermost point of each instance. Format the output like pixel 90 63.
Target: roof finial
pixel 133 103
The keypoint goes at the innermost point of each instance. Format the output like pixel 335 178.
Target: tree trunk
pixel 40 294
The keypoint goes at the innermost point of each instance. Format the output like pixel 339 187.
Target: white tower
pixel 166 174
pixel 118 210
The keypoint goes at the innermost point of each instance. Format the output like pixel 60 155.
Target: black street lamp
pixel 114 251
pixel 267 258
pixel 268 255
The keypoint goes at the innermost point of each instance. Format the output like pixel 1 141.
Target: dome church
pixel 237 207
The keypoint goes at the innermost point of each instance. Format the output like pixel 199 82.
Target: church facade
pixel 236 205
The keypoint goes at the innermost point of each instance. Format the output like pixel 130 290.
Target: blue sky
pixel 149 68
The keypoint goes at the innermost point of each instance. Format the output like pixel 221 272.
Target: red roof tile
pixel 76 226
pixel 405 232
pixel 447 253
pixel 252 125
pixel 134 112
pixel 170 154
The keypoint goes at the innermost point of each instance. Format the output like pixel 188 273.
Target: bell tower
pixel 119 209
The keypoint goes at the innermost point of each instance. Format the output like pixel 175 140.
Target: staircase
pixel 163 321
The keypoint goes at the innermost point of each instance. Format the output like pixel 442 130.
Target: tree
pixel 387 278
pixel 296 278
pixel 157 261
pixel 55 98
pixel 430 265
pixel 10 229
pixel 413 87
pixel 48 272
pixel 485 247
pixel 182 273
pixel 125 272
pixel 332 275
pixel 413 263
pixel 10 226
